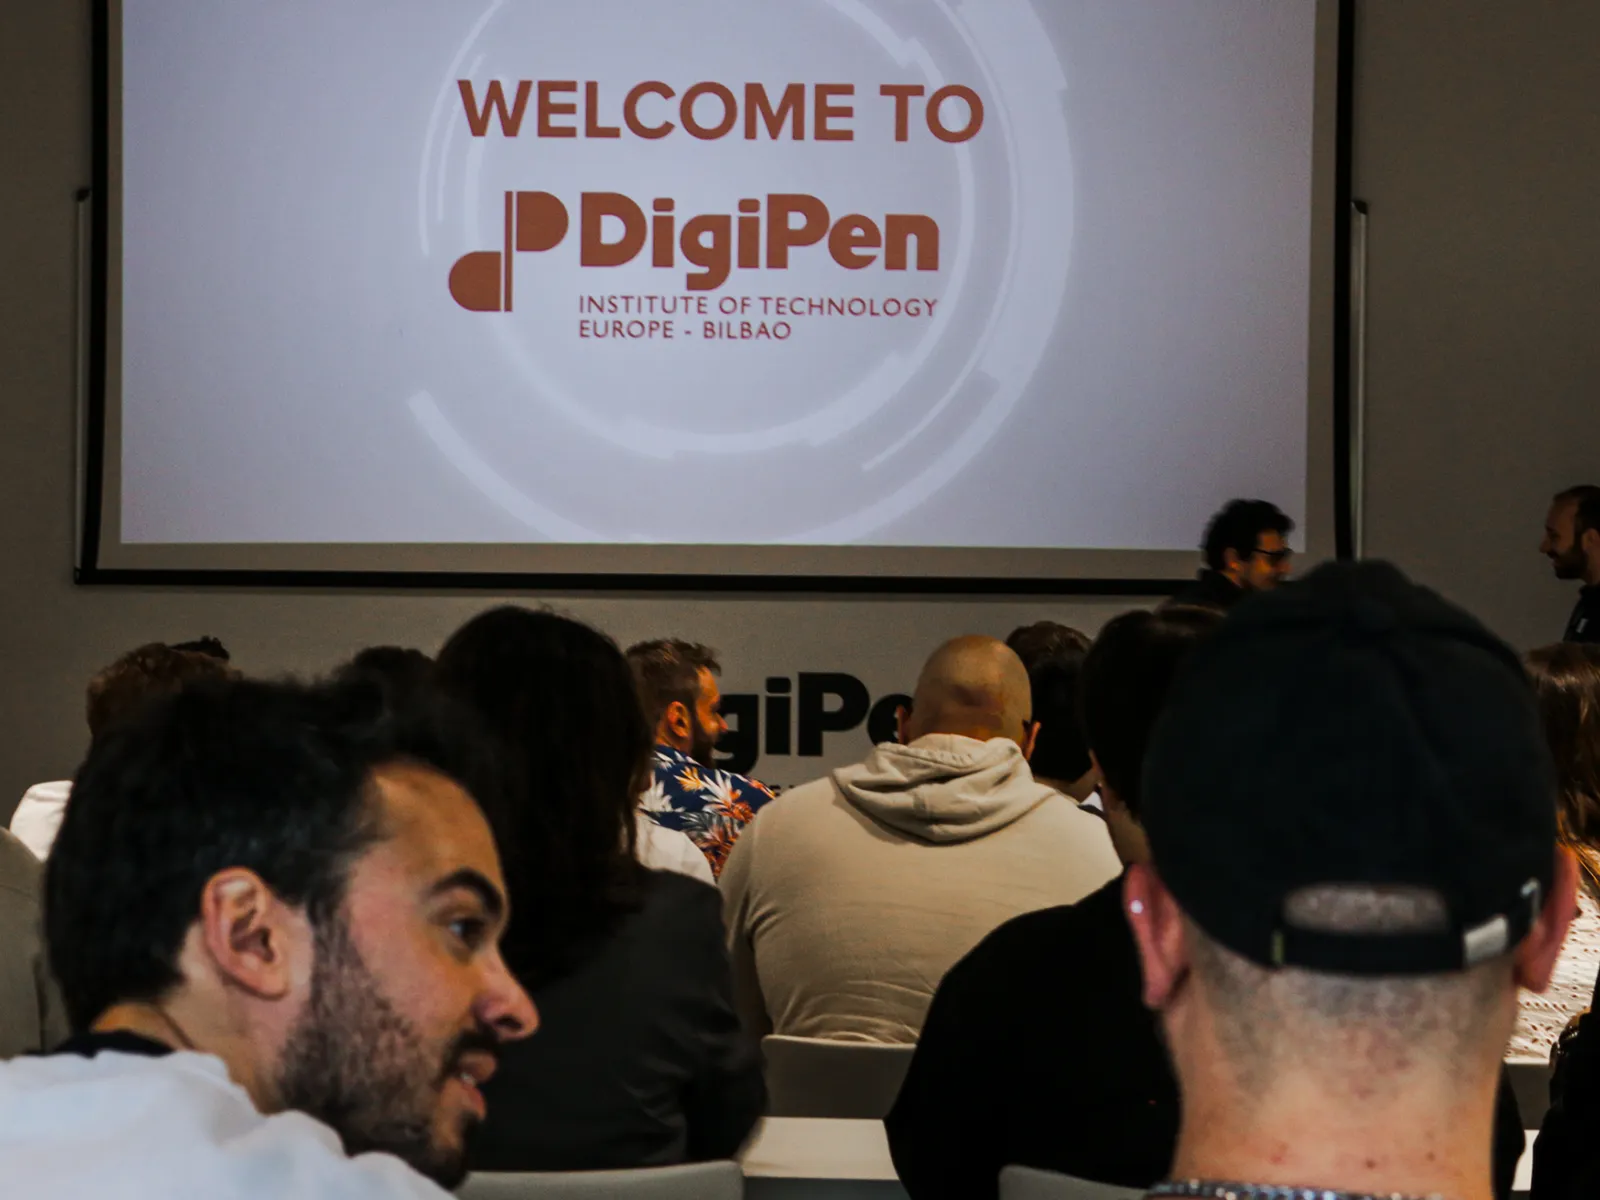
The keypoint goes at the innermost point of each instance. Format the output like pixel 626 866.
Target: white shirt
pixel 127 1127
pixel 38 817
pixel 666 849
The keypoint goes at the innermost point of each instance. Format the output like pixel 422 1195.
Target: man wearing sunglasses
pixel 1246 551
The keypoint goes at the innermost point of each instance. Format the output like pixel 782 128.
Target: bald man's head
pixel 975 687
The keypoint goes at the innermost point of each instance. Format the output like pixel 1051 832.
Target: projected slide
pixel 993 274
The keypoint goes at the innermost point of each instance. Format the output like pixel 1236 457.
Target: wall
pixel 1475 134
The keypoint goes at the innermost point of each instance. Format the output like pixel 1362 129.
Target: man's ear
pixel 1589 542
pixel 1535 959
pixel 1157 925
pixel 677 723
pixel 1108 794
pixel 247 933
pixel 1030 739
pixel 902 724
pixel 1232 564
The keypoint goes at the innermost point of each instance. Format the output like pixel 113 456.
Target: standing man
pixel 1245 551
pixel 1572 544
pixel 1351 815
pixel 688 792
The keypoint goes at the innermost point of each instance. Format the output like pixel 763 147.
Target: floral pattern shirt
pixel 709 804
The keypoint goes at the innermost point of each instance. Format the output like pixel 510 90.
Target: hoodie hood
pixel 944 788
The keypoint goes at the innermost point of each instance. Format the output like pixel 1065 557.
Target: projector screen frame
pixel 89 570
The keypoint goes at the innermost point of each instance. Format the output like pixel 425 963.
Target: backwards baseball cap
pixel 1353 729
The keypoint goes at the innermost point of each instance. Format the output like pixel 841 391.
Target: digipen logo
pixel 712 242
pixel 827 702
pixel 481 281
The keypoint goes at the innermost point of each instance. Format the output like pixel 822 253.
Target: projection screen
pixel 961 293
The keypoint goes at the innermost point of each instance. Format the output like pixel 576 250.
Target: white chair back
pixel 1029 1183
pixel 810 1077
pixel 694 1181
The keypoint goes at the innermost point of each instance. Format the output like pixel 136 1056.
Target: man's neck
pixel 155 1022
pixel 1383 1141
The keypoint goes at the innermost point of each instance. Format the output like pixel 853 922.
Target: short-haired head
pixel 207 645
pixel 1350 809
pixel 677 686
pixel 1046 641
pixel 119 691
pixel 401 671
pixel 273 868
pixel 1238 527
pixel 1585 501
pixel 974 687
pixel 1247 543
pixel 1126 676
pixel 1572 533
pixel 571 750
pixel 1053 654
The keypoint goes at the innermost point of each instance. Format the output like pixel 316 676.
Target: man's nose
pixel 507 1006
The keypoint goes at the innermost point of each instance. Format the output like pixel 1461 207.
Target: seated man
pixel 689 793
pixel 275 919
pixel 1245 551
pixel 1054 655
pixel 1352 823
pixel 115 694
pixel 849 897
pixel 30 1011
pixel 1037 1049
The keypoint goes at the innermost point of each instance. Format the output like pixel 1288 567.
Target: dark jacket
pixel 1566 1155
pixel 639 1059
pixel 1038 1050
pixel 1211 589
pixel 1584 624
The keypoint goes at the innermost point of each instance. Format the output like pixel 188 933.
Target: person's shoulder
pixel 1036 937
pixel 676 902
pixel 812 792
pixel 21 874
pixel 796 809
pixel 1066 816
pixel 182 1117
pixel 680 925
pixel 746 789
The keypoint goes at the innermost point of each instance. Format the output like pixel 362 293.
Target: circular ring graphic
pixel 1023 84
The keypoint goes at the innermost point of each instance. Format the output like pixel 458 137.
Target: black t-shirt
pixel 1584 624
pixel 1038 1050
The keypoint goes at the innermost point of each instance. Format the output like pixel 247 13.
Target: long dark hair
pixel 571 746
pixel 1566 678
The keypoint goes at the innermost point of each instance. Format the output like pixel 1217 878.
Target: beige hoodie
pixel 848 899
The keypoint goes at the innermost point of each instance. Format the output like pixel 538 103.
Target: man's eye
pixel 469 931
